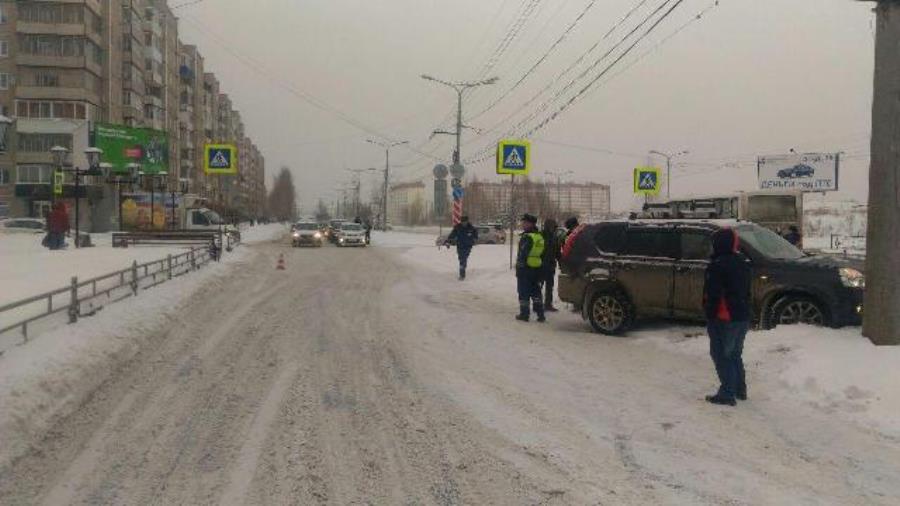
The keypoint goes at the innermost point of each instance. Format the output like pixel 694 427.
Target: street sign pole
pixel 512 219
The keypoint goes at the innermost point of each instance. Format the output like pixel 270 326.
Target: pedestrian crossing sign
pixel 647 180
pixel 513 157
pixel 220 159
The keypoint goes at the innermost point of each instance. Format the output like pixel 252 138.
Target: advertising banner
pixel 136 212
pixel 122 145
pixel 809 172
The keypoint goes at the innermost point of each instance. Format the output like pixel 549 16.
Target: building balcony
pixel 154 101
pixel 56 93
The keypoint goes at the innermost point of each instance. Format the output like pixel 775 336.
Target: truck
pixel 777 211
pixel 193 215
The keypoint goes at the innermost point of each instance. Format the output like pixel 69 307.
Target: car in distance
pixel 799 170
pixel 351 234
pixel 306 234
pixel 616 272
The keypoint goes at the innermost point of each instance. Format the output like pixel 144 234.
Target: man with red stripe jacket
pixel 726 296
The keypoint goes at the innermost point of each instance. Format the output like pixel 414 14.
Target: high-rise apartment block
pixel 68 65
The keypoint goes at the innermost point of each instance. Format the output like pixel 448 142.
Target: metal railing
pixel 87 297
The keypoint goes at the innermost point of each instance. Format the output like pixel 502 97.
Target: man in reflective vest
pixel 529 271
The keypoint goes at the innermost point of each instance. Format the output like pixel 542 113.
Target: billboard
pixel 136 209
pixel 122 145
pixel 809 172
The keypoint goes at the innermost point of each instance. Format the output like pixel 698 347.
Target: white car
pixel 351 234
pixel 23 225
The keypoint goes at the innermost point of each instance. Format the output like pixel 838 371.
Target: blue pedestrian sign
pixel 513 157
pixel 220 159
pixel 647 180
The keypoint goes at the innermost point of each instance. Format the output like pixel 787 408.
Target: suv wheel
pixel 793 309
pixel 610 312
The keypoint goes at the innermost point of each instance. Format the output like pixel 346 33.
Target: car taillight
pixel 570 241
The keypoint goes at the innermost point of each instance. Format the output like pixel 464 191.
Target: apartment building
pixel 488 200
pixel 66 65
pixel 406 204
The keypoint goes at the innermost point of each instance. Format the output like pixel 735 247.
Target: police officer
pixel 528 270
pixel 465 236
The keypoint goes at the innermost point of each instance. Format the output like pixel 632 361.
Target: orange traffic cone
pixel 280 265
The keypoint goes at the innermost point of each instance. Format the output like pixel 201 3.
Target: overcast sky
pixel 751 77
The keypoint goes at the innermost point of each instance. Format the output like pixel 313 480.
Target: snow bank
pixel 836 370
pixel 48 377
pixel 263 233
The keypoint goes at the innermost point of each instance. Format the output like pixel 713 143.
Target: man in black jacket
pixel 726 297
pixel 465 236
pixel 548 261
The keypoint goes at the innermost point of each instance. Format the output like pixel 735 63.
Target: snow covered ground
pixel 53 372
pixel 837 371
pixel 374 376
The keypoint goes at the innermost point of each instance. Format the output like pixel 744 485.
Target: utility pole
pixel 881 319
pixel 387 171
pixel 668 158
pixel 559 175
pixel 457 171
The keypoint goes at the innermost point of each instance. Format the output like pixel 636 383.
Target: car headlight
pixel 318 235
pixel 852 278
pixel 296 234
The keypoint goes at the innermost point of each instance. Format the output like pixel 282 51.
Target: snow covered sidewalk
pixel 52 373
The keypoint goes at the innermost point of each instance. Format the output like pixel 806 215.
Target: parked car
pixel 306 234
pixel 486 235
pixel 799 170
pixel 616 272
pixel 351 234
pixel 23 225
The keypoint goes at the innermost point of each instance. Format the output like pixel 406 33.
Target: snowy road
pixel 355 378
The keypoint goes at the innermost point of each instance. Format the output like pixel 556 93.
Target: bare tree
pixel 283 197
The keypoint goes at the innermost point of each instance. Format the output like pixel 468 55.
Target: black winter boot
pixel 524 314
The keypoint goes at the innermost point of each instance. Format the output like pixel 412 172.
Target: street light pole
pixel 387 170
pixel 459 87
pixel 668 158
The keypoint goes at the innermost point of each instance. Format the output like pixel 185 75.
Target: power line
pixel 540 60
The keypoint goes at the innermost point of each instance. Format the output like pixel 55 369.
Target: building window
pixel 41 143
pixel 2 14
pixel 4 48
pixel 34 174
pixel 5 81
pixel 46 79
pixel 4 176
pixel 42 109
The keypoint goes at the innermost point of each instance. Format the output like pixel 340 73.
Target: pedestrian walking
pixel 368 227
pixel 726 297
pixel 549 260
pixel 529 271
pixel 57 226
pixel 465 236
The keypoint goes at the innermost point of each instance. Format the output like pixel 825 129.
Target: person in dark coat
pixel 793 236
pixel 548 261
pixel 57 226
pixel 529 270
pixel 726 297
pixel 465 236
pixel 368 227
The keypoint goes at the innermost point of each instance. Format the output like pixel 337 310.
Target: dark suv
pixel 618 271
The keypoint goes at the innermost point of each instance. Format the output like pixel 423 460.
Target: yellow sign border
pixel 514 142
pixel 636 178
pixel 234 159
